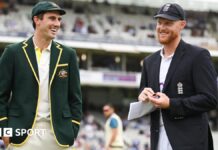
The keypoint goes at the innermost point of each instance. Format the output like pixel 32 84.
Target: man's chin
pixel 163 42
pixel 52 37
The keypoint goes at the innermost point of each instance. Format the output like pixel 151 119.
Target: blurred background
pixel 111 38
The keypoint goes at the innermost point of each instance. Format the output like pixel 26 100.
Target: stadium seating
pixel 110 24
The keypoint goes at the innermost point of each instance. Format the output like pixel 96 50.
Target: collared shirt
pixel 43 61
pixel 164 67
pixel 163 143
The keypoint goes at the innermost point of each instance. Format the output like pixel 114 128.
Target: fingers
pixel 162 101
pixel 154 100
pixel 143 96
pixel 159 100
pixel 6 141
pixel 160 94
pixel 148 91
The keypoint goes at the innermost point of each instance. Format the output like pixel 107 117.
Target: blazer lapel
pixel 155 73
pixel 56 52
pixel 29 51
pixel 175 63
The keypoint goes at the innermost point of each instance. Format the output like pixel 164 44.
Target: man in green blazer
pixel 40 87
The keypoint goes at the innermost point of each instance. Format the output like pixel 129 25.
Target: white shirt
pixel 43 68
pixel 163 143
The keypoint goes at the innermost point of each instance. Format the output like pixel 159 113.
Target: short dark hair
pixel 110 105
pixel 40 16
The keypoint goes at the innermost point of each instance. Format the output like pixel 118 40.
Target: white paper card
pixel 139 109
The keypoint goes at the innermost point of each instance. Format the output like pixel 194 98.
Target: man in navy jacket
pixel 180 81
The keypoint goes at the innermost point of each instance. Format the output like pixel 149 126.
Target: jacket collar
pixel 29 51
pixel 155 71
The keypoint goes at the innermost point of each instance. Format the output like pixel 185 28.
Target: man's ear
pixel 36 20
pixel 183 24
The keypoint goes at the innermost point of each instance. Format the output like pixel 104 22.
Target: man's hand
pixel 6 141
pixel 107 148
pixel 144 95
pixel 160 100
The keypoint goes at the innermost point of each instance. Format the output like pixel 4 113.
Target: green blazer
pixel 19 91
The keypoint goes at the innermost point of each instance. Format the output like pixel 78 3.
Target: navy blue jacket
pixel 186 120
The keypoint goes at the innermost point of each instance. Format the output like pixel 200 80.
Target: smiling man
pixel 180 81
pixel 40 87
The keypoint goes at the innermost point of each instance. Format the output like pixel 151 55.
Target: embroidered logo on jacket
pixel 180 88
pixel 62 73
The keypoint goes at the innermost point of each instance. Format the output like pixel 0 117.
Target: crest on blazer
pixel 63 73
pixel 179 88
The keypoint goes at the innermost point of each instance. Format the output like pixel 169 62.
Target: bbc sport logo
pixel 8 132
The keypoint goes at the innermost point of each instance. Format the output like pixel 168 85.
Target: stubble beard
pixel 168 39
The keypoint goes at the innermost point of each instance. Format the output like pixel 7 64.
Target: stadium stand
pixel 108 23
